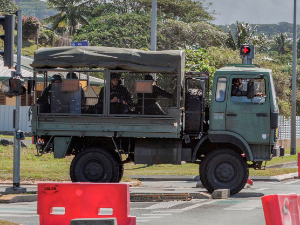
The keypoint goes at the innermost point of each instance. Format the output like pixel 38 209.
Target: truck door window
pixel 221 89
pixel 239 90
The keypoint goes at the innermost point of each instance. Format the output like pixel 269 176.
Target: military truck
pixel 200 122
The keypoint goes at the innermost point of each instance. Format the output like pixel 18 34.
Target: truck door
pixel 249 118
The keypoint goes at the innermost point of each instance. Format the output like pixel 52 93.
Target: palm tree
pixel 281 43
pixel 71 14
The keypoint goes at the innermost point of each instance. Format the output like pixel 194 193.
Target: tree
pixel 128 30
pixel 182 10
pixel 244 33
pixel 71 14
pixel 8 6
pixel 177 34
pixel 282 44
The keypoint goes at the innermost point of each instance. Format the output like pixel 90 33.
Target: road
pixel 244 208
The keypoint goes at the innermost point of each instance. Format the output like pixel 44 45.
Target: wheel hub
pixel 225 172
pixel 93 171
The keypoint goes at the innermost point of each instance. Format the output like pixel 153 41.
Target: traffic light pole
pixel 17 143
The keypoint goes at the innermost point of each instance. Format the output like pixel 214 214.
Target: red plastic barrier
pixel 83 200
pixel 249 181
pixel 281 209
pixel 298 165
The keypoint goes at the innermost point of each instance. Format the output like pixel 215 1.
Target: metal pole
pixel 17 144
pixel 153 25
pixel 294 82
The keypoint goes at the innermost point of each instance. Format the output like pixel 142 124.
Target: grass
pixel 5 222
pixel 46 168
pixel 12 137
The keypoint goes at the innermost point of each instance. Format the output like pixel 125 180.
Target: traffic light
pixel 245 50
pixel 8 23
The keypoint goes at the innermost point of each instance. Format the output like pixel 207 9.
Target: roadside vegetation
pixel 5 222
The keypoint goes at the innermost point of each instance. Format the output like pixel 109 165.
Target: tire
pixel 224 169
pixel 193 107
pixel 121 172
pixel 94 165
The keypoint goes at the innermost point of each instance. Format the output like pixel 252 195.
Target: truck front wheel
pixel 94 165
pixel 224 169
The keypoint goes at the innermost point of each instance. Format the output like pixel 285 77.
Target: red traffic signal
pixel 245 50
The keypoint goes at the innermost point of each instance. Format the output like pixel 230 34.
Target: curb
pixel 197 178
pixel 18 198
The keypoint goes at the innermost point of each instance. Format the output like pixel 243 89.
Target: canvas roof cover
pixel 135 60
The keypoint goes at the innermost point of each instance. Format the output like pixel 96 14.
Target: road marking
pixel 291 182
pixel 18 211
pixel 142 221
pixel 169 211
pixel 163 205
pixel 248 205
pixel 198 205
pixel 158 214
pixel 149 217
pixel 261 189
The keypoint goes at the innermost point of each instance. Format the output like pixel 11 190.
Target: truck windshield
pixel 273 93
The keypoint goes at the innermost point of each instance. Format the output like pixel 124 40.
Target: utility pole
pixel 153 25
pixel 17 143
pixel 294 86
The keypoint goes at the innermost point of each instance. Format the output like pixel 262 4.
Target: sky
pixel 254 11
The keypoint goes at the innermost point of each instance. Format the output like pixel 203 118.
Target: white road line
pixel 248 205
pixel 198 205
pixel 291 182
pixel 261 189
pixel 164 205
pixel 148 217
pixel 169 211
pixel 142 221
pixel 158 214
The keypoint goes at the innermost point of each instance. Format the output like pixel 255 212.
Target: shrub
pixel 30 25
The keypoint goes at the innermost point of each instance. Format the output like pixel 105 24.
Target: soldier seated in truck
pixel 151 106
pixel 74 97
pixel 44 100
pixel 236 88
pixel 120 98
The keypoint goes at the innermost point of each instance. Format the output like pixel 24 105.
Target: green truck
pixel 164 114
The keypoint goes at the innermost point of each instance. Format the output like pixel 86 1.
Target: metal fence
pixel 284 128
pixel 6 118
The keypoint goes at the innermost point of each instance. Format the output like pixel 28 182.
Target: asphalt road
pixel 244 208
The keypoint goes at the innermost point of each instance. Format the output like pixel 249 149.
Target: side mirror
pixel 31 85
pixel 250 90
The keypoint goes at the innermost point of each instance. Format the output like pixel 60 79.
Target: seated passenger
pixel 44 100
pixel 236 88
pixel 151 107
pixel 73 76
pixel 120 97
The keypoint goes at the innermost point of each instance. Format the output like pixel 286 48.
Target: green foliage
pixel 46 37
pixel 281 44
pixel 184 10
pixel 30 27
pixel 198 60
pixel 128 30
pixel 177 34
pixel 8 6
pixel 70 16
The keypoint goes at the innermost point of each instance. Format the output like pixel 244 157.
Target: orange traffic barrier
pixel 281 209
pixel 59 203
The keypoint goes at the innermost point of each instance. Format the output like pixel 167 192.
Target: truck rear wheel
pixel 94 165
pixel 193 108
pixel 224 169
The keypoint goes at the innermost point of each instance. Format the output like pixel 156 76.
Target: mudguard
pixel 225 137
